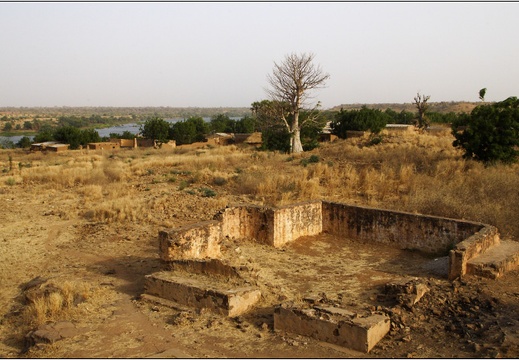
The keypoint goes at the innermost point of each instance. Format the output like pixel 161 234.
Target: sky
pixel 218 54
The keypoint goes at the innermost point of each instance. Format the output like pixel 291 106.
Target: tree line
pixel 490 133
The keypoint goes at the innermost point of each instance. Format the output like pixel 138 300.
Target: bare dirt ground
pixel 44 236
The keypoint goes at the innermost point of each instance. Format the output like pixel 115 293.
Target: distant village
pixel 216 139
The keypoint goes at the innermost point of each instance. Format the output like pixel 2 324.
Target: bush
pixel 311 160
pixel 156 128
pixel 359 120
pixel 220 181
pixel 206 192
pixel 189 131
pixel 24 142
pixel 276 138
pixel 490 133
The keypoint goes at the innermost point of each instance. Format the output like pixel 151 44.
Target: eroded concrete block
pixel 333 325
pixel 197 241
pixel 202 292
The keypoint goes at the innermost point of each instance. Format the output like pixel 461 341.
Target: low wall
pixel 247 222
pixel 221 298
pixel 463 240
pixel 272 226
pixel 429 234
pixel 104 146
pixel 333 325
pixel 470 248
pixel 294 221
pixel 198 241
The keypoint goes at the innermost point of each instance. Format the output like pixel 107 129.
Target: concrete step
pixel 332 325
pixel 496 261
pixel 203 292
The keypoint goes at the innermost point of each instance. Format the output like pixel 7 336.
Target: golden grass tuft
pixel 117 210
pixel 56 301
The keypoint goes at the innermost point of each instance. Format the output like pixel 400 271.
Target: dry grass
pixel 407 171
pixel 56 301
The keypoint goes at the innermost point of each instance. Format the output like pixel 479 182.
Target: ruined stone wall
pixel 249 222
pixel 429 234
pixel 272 226
pixel 278 226
pixel 294 221
pixel 197 241
pixel 470 248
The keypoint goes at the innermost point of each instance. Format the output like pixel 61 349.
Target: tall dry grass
pixel 407 171
pixel 56 301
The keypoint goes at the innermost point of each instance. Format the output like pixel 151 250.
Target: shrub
pixel 206 192
pixel 156 128
pixel 311 160
pixel 359 120
pixel 24 142
pixel 219 181
pixel 490 133
pixel 183 184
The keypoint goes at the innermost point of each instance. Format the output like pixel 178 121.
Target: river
pixel 134 128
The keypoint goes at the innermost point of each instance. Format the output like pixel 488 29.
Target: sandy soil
pixel 43 234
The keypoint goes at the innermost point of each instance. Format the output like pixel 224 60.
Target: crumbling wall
pixel 294 221
pixel 196 241
pixel 333 325
pixel 470 248
pixel 428 234
pixel 272 226
pixel 278 226
pixel 249 222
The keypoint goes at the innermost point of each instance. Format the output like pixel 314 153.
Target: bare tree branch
pixel 291 82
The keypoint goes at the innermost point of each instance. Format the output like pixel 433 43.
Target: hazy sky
pixel 219 54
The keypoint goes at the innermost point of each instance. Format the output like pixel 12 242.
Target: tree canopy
pixel 490 133
pixel 359 120
pixel 189 131
pixel 156 128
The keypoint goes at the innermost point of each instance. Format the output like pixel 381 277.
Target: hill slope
pixel 441 107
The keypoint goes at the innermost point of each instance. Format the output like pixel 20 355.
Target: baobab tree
pixel 290 84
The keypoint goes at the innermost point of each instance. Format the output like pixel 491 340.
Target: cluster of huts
pixel 112 144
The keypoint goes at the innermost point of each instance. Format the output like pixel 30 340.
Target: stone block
pixel 333 325
pixel 202 292
pixel 197 241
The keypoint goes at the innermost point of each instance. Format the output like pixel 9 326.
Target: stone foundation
pixel 200 292
pixel 280 226
pixel 333 325
pixel 197 276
